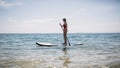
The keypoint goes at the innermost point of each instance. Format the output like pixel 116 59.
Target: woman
pixel 65 29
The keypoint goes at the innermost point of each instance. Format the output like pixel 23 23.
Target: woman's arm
pixel 60 24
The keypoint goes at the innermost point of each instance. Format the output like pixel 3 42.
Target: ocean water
pixel 99 50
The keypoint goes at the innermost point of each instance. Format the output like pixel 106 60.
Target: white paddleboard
pixel 51 44
pixel 46 44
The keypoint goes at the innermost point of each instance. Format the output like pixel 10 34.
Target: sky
pixel 44 16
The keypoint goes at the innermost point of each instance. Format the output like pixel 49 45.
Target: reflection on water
pixel 66 58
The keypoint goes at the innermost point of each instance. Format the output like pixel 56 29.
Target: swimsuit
pixel 65 26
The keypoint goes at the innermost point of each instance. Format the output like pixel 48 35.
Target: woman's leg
pixel 65 38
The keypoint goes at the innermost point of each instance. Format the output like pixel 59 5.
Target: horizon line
pixel 52 33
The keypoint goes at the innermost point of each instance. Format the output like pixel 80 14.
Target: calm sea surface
pixel 99 50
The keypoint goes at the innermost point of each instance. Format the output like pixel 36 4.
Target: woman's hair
pixel 64 19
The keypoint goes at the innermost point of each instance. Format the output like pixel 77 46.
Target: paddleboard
pixel 51 44
pixel 46 44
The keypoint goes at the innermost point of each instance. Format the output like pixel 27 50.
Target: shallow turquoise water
pixel 99 50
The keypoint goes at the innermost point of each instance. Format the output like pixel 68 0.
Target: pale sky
pixel 44 16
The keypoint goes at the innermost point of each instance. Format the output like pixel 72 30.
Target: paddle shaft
pixel 68 41
pixel 66 36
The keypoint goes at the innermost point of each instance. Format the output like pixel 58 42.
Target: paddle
pixel 67 37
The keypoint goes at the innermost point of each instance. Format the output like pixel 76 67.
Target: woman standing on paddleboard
pixel 65 29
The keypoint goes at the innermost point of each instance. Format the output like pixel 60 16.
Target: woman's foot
pixel 65 44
